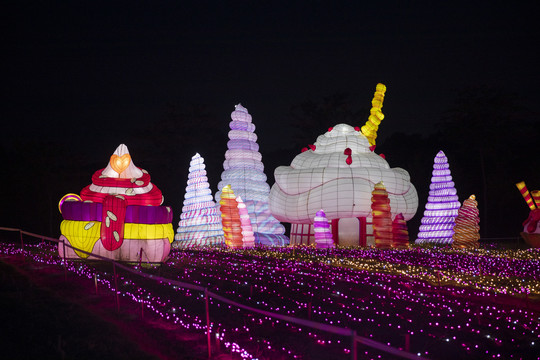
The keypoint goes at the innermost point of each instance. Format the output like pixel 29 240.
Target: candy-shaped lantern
pixel 531 226
pixel 118 216
pixel 200 221
pixel 400 233
pixel 442 205
pixel 230 218
pixel 323 235
pixel 382 220
pixel 376 115
pixel 526 195
pixel 244 172
pixel 248 240
pixel 466 231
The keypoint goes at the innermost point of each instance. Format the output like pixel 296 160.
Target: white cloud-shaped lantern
pixel 338 174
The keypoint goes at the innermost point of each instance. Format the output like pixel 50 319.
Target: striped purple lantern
pixel 442 205
pixel 323 235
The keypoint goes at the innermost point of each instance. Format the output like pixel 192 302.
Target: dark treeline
pixel 489 139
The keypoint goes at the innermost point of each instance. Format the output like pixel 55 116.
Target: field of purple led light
pixel 437 303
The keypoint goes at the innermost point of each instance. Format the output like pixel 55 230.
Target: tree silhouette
pixel 491 139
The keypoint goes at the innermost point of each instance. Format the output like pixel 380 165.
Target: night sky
pixel 80 79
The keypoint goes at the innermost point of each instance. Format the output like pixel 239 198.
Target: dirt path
pixel 43 316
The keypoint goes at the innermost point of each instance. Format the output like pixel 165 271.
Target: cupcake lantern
pixel 119 216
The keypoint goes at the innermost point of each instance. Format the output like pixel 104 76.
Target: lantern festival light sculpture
pixel 337 174
pixel 200 221
pixel 375 115
pixel 230 218
pixel 437 225
pixel 466 230
pixel 531 226
pixel 244 172
pixel 400 233
pixel 118 216
pixel 248 239
pixel 323 236
pixel 382 221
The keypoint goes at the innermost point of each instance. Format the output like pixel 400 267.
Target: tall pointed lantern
pixel 437 225
pixel 200 221
pixel 244 172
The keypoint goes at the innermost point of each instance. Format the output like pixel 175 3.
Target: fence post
pixel 65 265
pixel 95 281
pixel 207 323
pixel 353 344
pixel 407 342
pixel 22 243
pixel 116 287
pixel 140 259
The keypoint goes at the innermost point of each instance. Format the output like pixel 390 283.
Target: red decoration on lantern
pixel 330 128
pixel 372 147
pixel 312 147
pixel 304 149
pixel 383 156
pixel 348 152
pixel 357 128
pixel 112 221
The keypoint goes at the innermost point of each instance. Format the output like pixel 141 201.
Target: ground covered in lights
pixel 436 303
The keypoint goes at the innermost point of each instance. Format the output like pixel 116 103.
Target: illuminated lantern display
pixel 400 233
pixel 531 226
pixel 118 216
pixel 526 195
pixel 323 236
pixel 466 231
pixel 244 171
pixel 375 115
pixel 200 221
pixel 437 225
pixel 230 218
pixel 382 220
pixel 248 239
pixel 323 178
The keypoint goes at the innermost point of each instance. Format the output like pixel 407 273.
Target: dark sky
pixel 91 74
pixel 71 67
